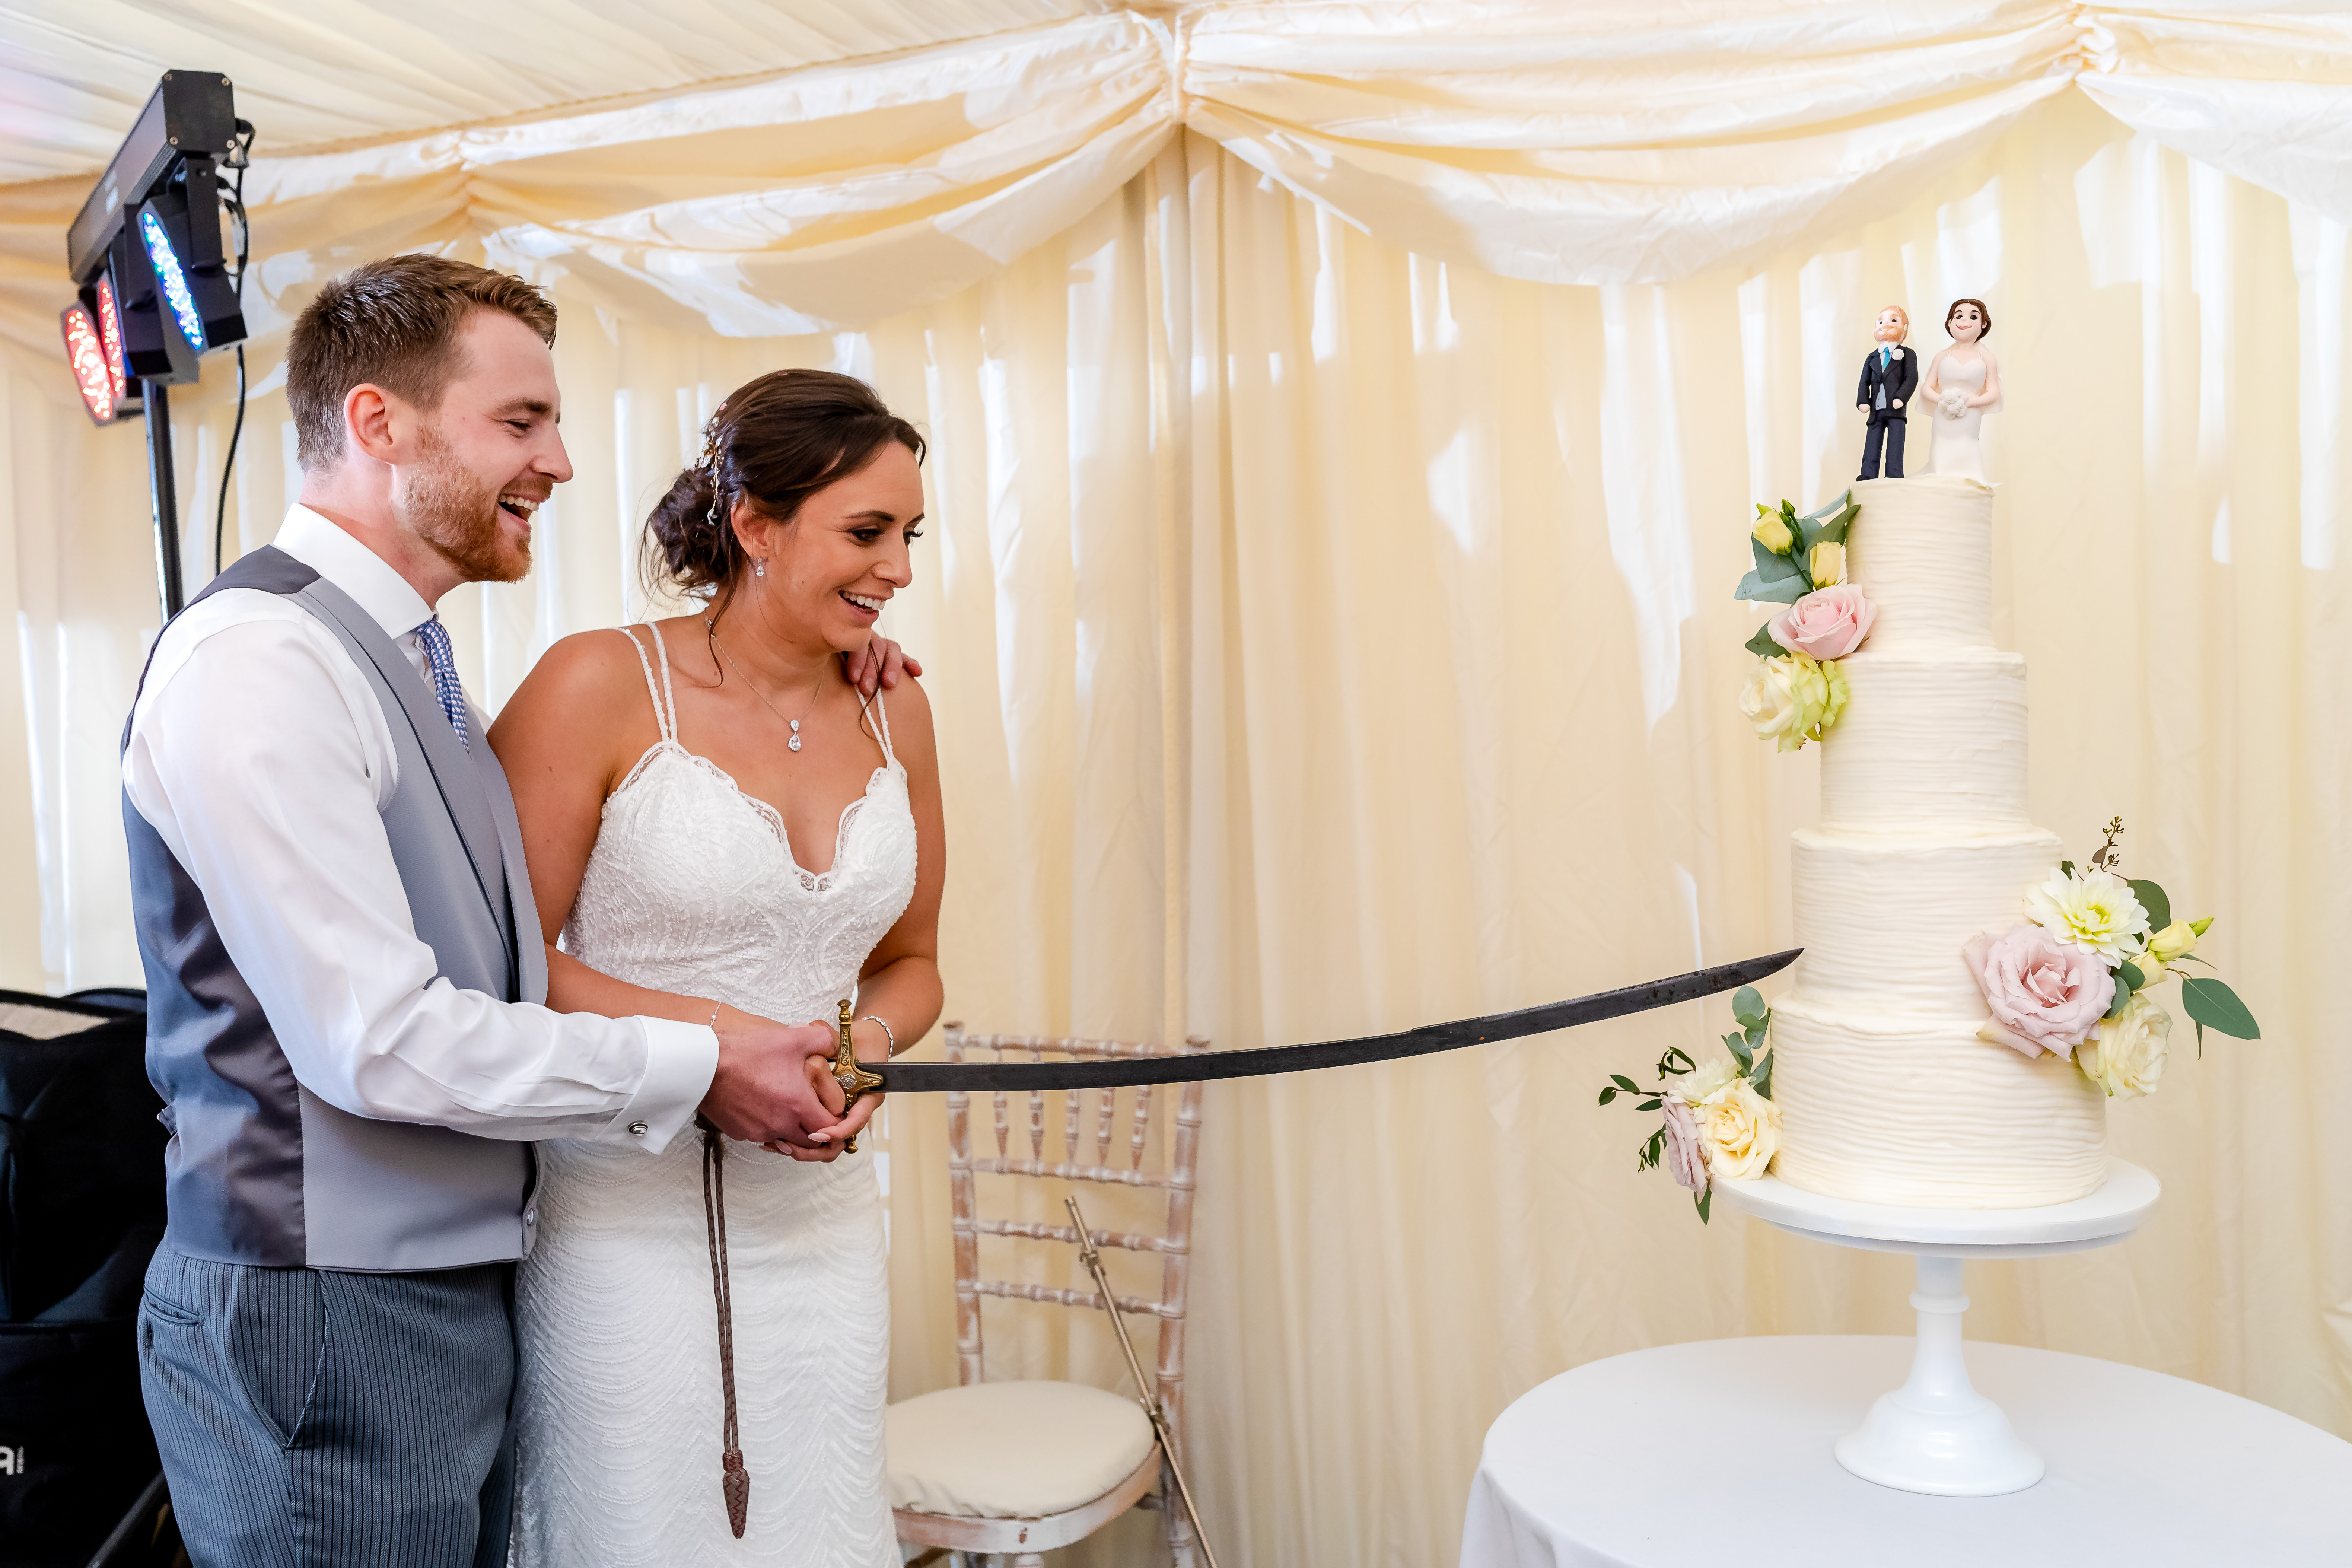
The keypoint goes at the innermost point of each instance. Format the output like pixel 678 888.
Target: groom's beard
pixel 455 513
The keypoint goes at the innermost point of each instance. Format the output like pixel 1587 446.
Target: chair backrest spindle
pixel 1173 1242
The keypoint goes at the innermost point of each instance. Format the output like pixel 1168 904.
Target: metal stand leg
pixel 163 497
pixel 1936 1434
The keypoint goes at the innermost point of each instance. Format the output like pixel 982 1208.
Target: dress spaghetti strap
pixel 665 714
pixel 882 721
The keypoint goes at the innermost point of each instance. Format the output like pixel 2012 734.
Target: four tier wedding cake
pixel 1886 1092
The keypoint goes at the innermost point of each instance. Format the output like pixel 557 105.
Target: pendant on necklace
pixel 794 744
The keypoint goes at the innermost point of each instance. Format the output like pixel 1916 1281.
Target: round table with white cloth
pixel 1719 1452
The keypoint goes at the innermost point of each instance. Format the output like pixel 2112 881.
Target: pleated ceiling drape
pixel 1331 629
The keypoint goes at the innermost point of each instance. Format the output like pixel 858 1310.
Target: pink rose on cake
pixel 1827 622
pixel 1685 1161
pixel 2044 995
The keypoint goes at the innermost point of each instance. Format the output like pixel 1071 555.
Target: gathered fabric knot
pixel 1174 30
pixel 2095 46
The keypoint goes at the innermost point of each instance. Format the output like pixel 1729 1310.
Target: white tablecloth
pixel 1717 1453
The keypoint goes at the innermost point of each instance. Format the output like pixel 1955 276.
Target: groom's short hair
pixel 391 323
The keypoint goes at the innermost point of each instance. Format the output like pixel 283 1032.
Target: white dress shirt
pixel 262 758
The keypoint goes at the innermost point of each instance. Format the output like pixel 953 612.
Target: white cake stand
pixel 1936 1434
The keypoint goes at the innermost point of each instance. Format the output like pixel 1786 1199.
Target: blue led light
pixel 175 282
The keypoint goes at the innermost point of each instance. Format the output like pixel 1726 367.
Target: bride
pixel 1963 386
pixel 714 819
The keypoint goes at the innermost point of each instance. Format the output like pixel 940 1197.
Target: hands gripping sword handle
pixel 854 1079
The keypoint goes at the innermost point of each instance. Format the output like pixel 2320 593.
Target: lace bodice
pixel 693 885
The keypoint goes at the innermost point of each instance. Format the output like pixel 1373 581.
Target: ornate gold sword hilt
pixel 854 1079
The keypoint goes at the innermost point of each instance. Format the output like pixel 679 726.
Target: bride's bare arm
pixel 1991 393
pixel 572 730
pixel 900 982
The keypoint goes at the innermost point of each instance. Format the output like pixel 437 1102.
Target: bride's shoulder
pixel 909 709
pixel 589 681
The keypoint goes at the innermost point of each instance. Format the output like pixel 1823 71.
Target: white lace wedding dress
pixel 692 887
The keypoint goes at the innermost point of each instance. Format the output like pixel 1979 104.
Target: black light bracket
pixel 151 229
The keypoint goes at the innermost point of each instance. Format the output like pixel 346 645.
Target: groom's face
pixel 485 460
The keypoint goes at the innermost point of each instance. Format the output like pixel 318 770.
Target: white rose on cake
pixel 2126 1056
pixel 2094 910
pixel 1740 1130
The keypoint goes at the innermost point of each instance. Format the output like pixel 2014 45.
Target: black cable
pixel 235 202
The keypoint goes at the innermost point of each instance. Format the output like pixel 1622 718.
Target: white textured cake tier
pixel 1928 740
pixel 1882 917
pixel 1922 552
pixel 1917 1111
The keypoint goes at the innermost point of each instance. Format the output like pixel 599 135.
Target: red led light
pixel 109 335
pixel 87 354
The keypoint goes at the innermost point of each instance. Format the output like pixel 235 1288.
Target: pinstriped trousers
pixel 310 1419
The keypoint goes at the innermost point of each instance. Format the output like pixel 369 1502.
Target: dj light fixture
pixel 158 292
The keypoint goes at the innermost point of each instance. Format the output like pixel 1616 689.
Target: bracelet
pixel 713 1025
pixel 887 1032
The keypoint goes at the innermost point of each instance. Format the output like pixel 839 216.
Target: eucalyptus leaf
pixel 2214 1005
pixel 2128 978
pixel 1762 646
pixel 2151 899
pixel 1754 590
pixel 1739 1051
pixel 1761 1082
pixel 1747 1007
pixel 1772 567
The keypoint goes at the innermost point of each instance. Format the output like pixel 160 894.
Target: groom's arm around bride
pixel 345 966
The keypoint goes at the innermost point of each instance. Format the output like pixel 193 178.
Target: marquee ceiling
pixel 314 72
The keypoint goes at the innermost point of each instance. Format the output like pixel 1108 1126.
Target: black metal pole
pixel 163 497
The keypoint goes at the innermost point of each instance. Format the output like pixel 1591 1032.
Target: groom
pixel 344 966
pixel 1889 377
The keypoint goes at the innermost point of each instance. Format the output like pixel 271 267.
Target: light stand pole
pixel 163 498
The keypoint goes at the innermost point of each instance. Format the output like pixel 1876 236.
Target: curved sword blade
pixel 927 1077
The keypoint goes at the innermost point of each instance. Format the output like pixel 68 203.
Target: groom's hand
pixel 880 661
pixel 771 1087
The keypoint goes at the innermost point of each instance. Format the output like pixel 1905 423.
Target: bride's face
pixel 845 554
pixel 1966 324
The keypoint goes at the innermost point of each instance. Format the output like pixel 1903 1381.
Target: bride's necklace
pixel 710 626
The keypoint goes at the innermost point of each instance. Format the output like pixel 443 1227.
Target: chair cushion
pixel 1012 1450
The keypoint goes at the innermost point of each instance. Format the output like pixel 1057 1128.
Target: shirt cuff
pixel 680 1061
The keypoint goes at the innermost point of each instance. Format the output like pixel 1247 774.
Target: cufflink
pixel 636 1128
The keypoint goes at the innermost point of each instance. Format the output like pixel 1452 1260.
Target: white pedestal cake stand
pixel 1936 1434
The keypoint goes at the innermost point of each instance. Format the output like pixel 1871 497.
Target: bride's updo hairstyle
pixel 1982 315
pixel 778 440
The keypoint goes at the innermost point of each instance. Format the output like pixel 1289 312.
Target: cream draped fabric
pixel 1331 630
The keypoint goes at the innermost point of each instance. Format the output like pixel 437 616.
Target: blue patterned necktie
pixel 436 639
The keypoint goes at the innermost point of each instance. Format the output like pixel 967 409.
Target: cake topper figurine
pixel 1889 377
pixel 1963 386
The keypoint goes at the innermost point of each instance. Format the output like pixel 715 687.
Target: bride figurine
pixel 1963 386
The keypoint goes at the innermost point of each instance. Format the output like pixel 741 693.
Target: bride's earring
pixel 759 566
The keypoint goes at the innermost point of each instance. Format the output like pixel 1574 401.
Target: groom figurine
pixel 1889 377
pixel 345 967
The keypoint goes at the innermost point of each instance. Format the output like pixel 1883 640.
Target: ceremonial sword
pixel 858 1078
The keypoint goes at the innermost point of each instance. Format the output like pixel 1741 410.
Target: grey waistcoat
pixel 259 1169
